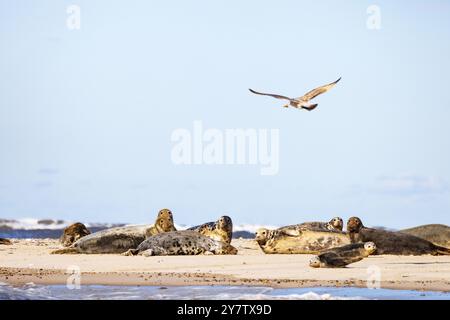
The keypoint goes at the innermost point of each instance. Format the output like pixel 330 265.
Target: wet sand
pixel 30 261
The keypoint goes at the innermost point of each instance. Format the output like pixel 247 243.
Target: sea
pixel 100 292
pixel 48 228
pixel 31 228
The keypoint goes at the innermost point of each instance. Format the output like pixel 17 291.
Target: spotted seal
pixel 439 234
pixel 389 242
pixel 303 241
pixel 120 239
pixel 5 241
pixel 335 224
pixel 221 230
pixel 342 256
pixel 72 233
pixel 185 242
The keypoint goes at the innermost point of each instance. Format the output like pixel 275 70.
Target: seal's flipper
pixel 131 252
pixel 147 253
pixel 443 251
pixel 66 251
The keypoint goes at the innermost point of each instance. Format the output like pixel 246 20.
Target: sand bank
pixel 30 261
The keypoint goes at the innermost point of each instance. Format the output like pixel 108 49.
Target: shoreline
pixel 59 277
pixel 30 261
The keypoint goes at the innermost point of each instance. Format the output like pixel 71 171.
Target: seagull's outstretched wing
pixel 270 95
pixel 315 92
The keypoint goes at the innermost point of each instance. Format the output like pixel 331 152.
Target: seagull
pixel 303 101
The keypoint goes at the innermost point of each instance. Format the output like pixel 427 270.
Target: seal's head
pixel 72 233
pixel 370 247
pixel 225 223
pixel 354 224
pixel 314 262
pixel 164 221
pixel 337 223
pixel 165 213
pixel 261 236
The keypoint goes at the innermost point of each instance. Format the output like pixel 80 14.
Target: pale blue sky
pixel 86 116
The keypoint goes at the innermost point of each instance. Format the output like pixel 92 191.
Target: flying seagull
pixel 303 101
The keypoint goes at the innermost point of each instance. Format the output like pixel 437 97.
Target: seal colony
pixel 333 247
pixel 120 239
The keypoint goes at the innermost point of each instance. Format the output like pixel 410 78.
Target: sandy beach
pixel 30 261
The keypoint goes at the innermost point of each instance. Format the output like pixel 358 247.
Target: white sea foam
pixel 55 224
pixel 32 291
pixel 40 224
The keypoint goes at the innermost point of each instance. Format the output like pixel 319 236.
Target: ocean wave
pixel 31 291
pixel 29 224
pixel 47 224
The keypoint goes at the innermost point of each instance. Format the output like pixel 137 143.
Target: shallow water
pixel 96 292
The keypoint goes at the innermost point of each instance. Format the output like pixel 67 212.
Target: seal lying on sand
pixel 72 233
pixel 389 242
pixel 335 224
pixel 118 240
pixel 221 230
pixel 186 242
pixel 439 234
pixel 304 241
pixel 341 256
pixel 5 241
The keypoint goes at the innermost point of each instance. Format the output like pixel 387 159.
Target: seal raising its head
pixel 120 239
pixel 302 241
pixel 72 233
pixel 186 242
pixel 341 256
pixel 262 235
pixel 389 242
pixel 221 230
pixel 336 224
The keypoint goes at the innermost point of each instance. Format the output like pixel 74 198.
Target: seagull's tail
pixel 310 107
